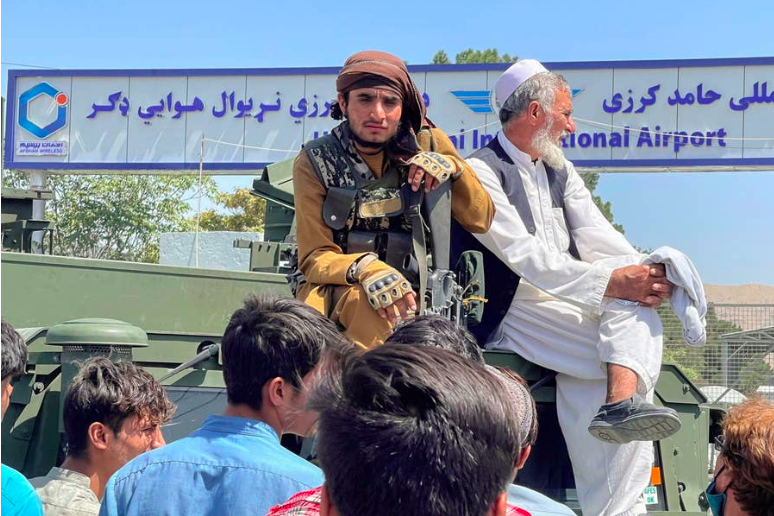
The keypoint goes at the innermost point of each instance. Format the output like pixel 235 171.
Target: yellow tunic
pixel 325 265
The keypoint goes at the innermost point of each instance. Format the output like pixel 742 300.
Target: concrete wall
pixel 216 250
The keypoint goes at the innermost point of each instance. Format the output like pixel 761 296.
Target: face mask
pixel 709 499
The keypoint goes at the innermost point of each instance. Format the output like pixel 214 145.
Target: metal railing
pixel 738 360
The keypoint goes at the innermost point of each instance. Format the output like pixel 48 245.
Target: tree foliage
pixel 116 217
pixel 745 372
pixel 489 55
pixel 244 212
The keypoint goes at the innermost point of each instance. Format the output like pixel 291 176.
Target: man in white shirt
pixel 573 311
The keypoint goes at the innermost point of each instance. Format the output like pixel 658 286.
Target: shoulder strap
pixel 330 162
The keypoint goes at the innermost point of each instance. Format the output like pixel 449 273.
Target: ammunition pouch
pixel 470 275
pixel 337 206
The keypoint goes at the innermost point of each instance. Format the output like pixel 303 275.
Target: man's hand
pixel 405 307
pixel 644 283
pixel 388 292
pixel 415 176
pixel 435 168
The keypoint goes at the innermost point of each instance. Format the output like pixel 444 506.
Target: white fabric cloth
pixel 513 77
pixel 688 300
pixel 561 320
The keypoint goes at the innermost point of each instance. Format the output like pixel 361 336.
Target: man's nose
pixel 379 110
pixel 570 124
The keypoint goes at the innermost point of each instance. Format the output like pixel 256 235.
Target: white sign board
pixel 654 115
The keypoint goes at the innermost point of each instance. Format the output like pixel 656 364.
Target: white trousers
pixel 576 344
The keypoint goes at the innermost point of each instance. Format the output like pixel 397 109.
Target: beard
pixel 365 143
pixel 548 149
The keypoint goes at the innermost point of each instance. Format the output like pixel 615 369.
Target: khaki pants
pixel 347 305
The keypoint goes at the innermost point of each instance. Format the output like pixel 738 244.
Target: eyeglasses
pixel 720 443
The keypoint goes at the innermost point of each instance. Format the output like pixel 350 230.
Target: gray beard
pixel 548 150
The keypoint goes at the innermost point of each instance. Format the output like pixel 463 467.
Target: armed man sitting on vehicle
pixel 234 464
pixel 548 233
pixel 354 228
pixel 112 413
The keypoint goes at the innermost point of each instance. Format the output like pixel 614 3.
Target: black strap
pixel 418 240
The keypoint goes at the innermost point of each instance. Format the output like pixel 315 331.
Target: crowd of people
pixel 407 418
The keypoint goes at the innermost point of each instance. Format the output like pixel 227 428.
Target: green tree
pixel 244 212
pixel 489 55
pixel 440 57
pixel 116 217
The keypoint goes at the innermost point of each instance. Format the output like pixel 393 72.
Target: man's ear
pixel 277 391
pixel 326 504
pixel 100 436
pixel 534 111
pixel 523 456
pixel 342 102
pixel 499 506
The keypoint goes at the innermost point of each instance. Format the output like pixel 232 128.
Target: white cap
pixel 513 78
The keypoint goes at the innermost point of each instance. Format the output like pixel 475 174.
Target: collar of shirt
pixel 237 425
pixel 520 158
pixel 70 476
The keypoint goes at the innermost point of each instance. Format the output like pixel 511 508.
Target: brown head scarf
pixel 372 67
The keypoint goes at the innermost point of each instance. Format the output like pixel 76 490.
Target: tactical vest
pixel 499 279
pixel 365 215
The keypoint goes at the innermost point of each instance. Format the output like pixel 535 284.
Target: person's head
pixel 270 350
pixel 14 357
pixel 524 404
pixel 744 473
pixel 535 110
pixel 378 98
pixel 439 332
pixel 113 412
pixel 422 430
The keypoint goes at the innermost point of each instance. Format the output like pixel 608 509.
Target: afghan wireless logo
pixel 41 93
pixel 478 101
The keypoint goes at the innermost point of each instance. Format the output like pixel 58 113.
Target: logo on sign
pixel 479 101
pixel 43 126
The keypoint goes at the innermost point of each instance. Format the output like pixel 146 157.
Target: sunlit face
pixel 560 117
pixel 135 436
pixel 546 141
pixel 299 420
pixel 373 113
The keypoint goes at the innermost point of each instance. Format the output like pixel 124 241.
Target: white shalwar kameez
pixel 561 320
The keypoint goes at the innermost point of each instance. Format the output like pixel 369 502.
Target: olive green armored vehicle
pixel 170 320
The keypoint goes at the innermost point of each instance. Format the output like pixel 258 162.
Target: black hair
pixel 337 112
pixel 108 393
pixel 439 332
pixel 422 430
pixel 272 337
pixel 14 353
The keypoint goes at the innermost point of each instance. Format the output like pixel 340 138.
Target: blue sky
pixel 724 221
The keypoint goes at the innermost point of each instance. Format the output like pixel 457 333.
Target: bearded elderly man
pixel 351 188
pixel 567 314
